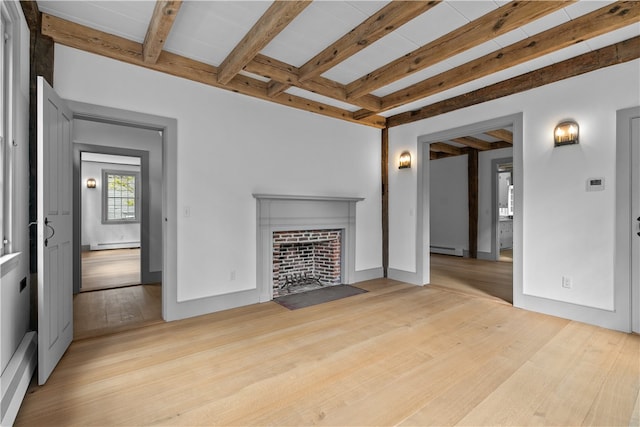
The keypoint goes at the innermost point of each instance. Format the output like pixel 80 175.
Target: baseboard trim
pixel 404 276
pixel 16 378
pixel 151 277
pixel 487 256
pixel 370 274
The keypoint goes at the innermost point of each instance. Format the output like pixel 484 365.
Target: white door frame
pixel 627 288
pixel 423 238
pixel 169 128
pixel 78 149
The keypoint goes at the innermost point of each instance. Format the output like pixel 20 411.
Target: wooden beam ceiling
pixel 246 55
pixel 283 74
pixel 383 22
pixel 378 25
pixel 601 21
pixel 164 14
pixel 479 144
pixel 618 53
pixel 270 24
pixel 500 21
pixel 502 135
pixel 84 38
pixel 441 147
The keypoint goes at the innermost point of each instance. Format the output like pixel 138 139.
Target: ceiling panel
pixel 125 19
pixel 473 9
pixel 582 7
pixel 208 31
pixel 318 26
pixel 431 25
pixel 547 22
pixel 374 56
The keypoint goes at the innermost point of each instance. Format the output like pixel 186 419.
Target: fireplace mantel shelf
pixel 319 198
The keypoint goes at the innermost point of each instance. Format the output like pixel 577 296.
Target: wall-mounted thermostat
pixel 595 184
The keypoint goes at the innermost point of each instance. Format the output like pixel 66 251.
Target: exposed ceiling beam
pixel 601 21
pixel 479 144
pixel 502 134
pixel 500 21
pixel 287 76
pixel 31 14
pixel 164 14
pixel 80 37
pixel 386 20
pixel 276 88
pixel 442 147
pixel 434 155
pixel 270 24
pixel 618 53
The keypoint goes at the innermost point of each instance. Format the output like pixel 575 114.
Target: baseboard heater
pixel 445 250
pixel 115 245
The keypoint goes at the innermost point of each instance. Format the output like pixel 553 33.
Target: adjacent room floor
pixel 111 268
pixel 112 298
pixel 489 279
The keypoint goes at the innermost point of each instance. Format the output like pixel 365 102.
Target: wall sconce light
pixel 566 133
pixel 405 160
pixel 91 183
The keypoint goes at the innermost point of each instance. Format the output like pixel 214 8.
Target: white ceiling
pixel 208 31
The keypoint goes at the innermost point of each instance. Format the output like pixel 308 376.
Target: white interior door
pixel 635 221
pixel 55 279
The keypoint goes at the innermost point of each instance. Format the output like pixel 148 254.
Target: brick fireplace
pixel 296 216
pixel 306 259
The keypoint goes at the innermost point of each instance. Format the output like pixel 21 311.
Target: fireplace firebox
pixel 306 259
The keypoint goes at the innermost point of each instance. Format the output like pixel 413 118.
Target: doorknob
pixel 53 231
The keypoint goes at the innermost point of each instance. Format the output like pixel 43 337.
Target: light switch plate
pixel 595 184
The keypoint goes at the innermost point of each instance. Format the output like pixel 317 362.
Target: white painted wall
pixel 449 213
pixel 94 232
pixel 566 230
pixel 230 146
pixel 449 208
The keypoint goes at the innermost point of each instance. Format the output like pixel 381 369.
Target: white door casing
pixel 55 228
pixel 635 222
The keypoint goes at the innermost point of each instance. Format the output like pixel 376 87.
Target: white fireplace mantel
pixel 287 213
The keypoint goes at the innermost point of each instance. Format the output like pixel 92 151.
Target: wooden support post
pixel 41 52
pixel 385 199
pixel 472 172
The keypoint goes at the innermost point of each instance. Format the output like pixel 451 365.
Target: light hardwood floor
pixel 397 355
pixel 110 269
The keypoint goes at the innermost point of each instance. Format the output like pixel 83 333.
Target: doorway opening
pixel 469 235
pixel 110 191
pixel 118 280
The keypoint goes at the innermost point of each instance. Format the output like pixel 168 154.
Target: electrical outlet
pixel 567 282
pixel 232 275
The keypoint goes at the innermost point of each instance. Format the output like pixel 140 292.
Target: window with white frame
pixel 7 108
pixel 120 197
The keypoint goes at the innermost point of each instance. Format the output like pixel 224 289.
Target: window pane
pixel 121 197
